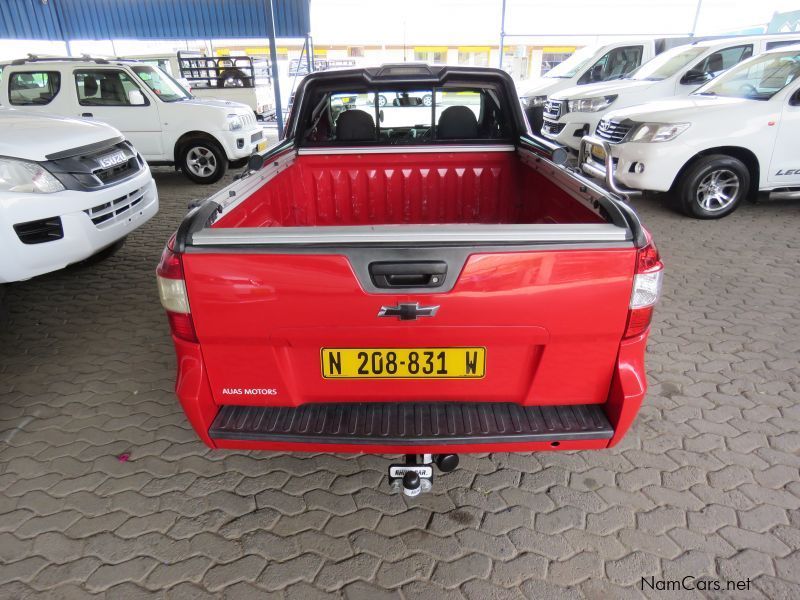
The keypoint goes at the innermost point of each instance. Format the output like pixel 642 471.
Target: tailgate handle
pixel 429 274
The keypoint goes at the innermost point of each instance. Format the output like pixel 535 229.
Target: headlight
pixel 533 101
pixel 235 122
pixel 590 104
pixel 25 176
pixel 658 132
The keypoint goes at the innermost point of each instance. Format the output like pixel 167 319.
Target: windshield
pixel 571 66
pixel 667 64
pixel 758 79
pixel 161 84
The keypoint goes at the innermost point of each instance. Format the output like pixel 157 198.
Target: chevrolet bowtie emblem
pixel 407 311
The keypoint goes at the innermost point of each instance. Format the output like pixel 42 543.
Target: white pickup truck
pixel 591 64
pixel 69 189
pixel 574 112
pixel 167 125
pixel 735 136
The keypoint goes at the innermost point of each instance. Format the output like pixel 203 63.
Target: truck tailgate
pixel 546 323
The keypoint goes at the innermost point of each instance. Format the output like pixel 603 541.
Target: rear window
pixel 406 116
pixel 33 88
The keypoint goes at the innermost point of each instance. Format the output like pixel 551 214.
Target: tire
pixel 382 100
pixel 427 99
pixel 233 78
pixel 202 161
pixel 712 187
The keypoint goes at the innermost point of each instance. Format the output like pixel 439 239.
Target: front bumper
pixel 570 128
pixel 630 168
pixel 241 144
pixel 116 210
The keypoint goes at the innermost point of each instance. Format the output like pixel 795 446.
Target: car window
pixel 759 78
pixel 614 64
pixel 33 88
pixel 107 87
pixel 161 84
pixel 779 43
pixel 407 116
pixel 572 65
pixel 722 60
pixel 667 63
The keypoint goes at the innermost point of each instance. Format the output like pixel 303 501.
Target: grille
pixel 613 131
pixel 117 172
pixel 106 214
pixel 552 128
pixel 84 171
pixel 553 109
pixel 41 231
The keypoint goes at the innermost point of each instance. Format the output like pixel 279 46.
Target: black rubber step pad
pixel 411 423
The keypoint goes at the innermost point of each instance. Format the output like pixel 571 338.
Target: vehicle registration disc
pixel 599 153
pixel 404 363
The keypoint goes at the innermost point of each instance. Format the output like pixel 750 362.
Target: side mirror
pixel 136 98
pixel 695 76
pixel 795 99
pixel 255 162
pixel 380 115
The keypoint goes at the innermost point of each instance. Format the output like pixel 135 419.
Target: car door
pixel 785 165
pixel 114 97
pixel 711 66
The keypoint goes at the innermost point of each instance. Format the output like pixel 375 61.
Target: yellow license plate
pixel 404 363
pixel 261 146
pixel 599 153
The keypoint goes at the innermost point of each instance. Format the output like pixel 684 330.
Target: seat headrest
pixel 89 85
pixel 457 122
pixel 715 63
pixel 355 126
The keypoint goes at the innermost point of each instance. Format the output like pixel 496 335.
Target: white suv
pixel 69 189
pixel 165 122
pixel 734 136
pixel 574 112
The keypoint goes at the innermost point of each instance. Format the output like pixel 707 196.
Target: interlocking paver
pixel 707 481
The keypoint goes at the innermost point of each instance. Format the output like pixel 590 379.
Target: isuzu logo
pixel 408 311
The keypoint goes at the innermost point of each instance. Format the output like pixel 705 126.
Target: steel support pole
pixel 502 31
pixel 696 17
pixel 273 57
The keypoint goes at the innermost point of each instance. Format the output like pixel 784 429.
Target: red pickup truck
pixel 410 277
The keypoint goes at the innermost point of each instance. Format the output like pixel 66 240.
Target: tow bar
pixel 415 476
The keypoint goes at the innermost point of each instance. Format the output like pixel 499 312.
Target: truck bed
pixel 320 189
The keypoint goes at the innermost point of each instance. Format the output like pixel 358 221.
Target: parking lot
pixel 106 490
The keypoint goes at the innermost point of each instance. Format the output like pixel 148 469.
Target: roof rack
pixel 33 58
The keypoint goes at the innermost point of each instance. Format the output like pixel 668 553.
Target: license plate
pixel 599 153
pixel 113 159
pixel 261 146
pixel 404 363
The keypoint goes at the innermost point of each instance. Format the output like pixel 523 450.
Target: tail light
pixel 172 291
pixel 646 288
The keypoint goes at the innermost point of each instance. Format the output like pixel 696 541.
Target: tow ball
pixel 415 476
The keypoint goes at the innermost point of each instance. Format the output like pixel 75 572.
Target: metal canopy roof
pixel 58 20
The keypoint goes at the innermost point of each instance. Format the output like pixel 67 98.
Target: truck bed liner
pixel 417 423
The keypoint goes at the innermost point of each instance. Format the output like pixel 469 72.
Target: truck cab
pixel 574 112
pixel 166 123
pixel 731 138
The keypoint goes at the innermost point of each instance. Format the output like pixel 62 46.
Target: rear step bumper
pixel 411 424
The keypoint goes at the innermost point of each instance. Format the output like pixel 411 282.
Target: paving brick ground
pixel 706 483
